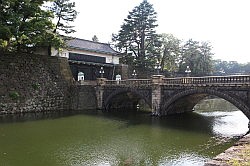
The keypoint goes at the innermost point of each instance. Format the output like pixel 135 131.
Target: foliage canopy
pixel 26 25
pixel 137 37
pixel 142 47
pixel 64 13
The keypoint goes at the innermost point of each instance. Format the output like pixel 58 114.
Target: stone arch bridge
pixel 173 95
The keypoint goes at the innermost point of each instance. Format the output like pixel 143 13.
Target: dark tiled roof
pixel 91 46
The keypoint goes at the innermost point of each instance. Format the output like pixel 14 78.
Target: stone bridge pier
pixel 157 81
pixel 99 89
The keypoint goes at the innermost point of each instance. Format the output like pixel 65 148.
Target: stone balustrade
pixel 208 80
pixel 129 82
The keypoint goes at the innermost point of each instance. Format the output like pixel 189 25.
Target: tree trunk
pixel 49 50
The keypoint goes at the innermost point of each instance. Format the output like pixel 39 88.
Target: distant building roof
pixel 91 46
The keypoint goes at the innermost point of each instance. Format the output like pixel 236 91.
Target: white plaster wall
pixel 109 58
pixel 65 53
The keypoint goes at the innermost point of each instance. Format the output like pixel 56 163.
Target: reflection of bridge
pixel 173 95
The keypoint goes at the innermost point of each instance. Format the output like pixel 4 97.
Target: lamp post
pixel 101 72
pixel 157 67
pixel 188 71
pixel 134 74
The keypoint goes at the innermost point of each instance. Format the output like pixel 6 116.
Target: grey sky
pixel 224 23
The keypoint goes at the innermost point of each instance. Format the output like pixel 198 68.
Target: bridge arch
pixel 191 97
pixel 134 96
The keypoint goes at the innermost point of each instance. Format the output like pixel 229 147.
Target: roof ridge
pixel 89 40
pixel 75 42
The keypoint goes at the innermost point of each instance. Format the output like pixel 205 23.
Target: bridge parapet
pixel 129 82
pixel 158 79
pixel 209 80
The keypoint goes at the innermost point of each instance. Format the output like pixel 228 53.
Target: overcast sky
pixel 224 23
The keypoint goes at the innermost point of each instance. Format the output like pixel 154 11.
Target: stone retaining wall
pixel 34 83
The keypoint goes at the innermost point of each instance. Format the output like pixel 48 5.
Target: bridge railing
pixel 129 82
pixel 232 79
pixel 179 81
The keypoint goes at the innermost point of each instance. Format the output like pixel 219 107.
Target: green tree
pixel 95 38
pixel 170 53
pixel 137 37
pixel 231 67
pixel 206 63
pixel 64 12
pixel 198 56
pixel 24 25
pixel 246 68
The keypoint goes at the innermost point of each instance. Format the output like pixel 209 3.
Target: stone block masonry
pixel 34 83
pixel 84 98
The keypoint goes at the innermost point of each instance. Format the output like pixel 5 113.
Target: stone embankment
pixel 237 155
pixel 34 83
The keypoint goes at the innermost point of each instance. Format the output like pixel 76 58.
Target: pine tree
pixel 95 38
pixel 138 35
pixel 64 13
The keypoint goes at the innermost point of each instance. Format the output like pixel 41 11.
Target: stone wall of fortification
pixel 34 83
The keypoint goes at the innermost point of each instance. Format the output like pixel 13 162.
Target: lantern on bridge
pixel 188 71
pixel 80 76
pixel 118 77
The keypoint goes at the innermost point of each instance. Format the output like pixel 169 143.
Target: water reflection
pixel 228 120
pixel 74 139
pixel 190 121
pixel 228 124
pixel 24 117
pixel 155 145
pixel 184 159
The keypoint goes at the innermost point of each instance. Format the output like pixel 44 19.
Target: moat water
pixel 84 139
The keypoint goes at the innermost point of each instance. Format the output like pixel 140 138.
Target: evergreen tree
pixel 197 56
pixel 64 13
pixel 170 53
pixel 24 25
pixel 137 37
pixel 95 38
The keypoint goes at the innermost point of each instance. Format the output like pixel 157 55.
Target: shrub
pixel 36 86
pixel 14 95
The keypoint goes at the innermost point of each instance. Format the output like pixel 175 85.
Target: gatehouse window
pixel 86 58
